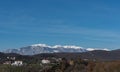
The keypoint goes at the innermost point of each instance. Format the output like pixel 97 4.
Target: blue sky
pixel 86 23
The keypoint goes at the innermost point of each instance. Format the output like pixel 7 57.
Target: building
pixel 17 63
pixel 11 58
pixel 45 61
pixel 71 62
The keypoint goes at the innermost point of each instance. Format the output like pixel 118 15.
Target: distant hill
pixel 91 55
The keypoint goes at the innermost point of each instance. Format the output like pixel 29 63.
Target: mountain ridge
pixel 43 48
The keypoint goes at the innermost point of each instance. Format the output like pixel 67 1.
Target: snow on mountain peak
pixel 69 46
pixel 66 46
pixel 92 49
pixel 41 45
pixel 106 49
pixel 72 46
pixel 57 46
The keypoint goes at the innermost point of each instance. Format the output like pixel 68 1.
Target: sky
pixel 86 23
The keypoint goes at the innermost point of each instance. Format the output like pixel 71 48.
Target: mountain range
pixel 43 48
pixel 99 55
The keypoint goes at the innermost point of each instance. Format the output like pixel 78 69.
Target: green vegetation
pixel 65 65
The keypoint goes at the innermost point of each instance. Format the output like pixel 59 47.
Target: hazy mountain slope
pixel 43 48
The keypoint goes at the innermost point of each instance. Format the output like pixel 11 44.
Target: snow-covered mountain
pixel 43 48
pixel 92 49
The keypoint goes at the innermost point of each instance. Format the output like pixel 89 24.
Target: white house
pixel 11 58
pixel 45 61
pixel 17 63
